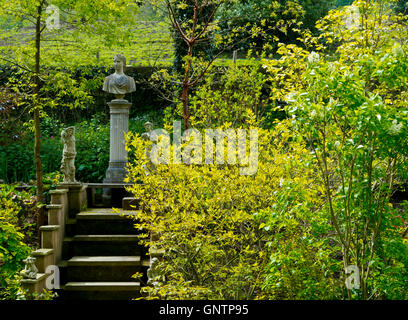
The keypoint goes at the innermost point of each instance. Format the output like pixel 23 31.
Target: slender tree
pixel 193 22
pixel 202 36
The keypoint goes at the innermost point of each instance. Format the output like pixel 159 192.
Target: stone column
pixel 119 125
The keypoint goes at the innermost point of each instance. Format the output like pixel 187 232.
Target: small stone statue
pixel 69 153
pixel 152 272
pixel 119 83
pixel 150 167
pixel 30 270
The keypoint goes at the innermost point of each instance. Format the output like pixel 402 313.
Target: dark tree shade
pixel 340 3
pixel 402 6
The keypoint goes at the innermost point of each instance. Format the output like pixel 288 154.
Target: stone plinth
pixel 60 196
pixel 44 258
pixel 35 286
pixel 119 126
pixel 55 214
pixel 76 197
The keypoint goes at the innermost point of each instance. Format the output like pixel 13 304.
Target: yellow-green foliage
pixel 235 96
pixel 218 228
pixel 12 248
pixel 348 101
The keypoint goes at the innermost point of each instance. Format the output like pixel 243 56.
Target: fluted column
pixel 119 126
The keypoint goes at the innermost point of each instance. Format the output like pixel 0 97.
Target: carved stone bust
pixel 119 83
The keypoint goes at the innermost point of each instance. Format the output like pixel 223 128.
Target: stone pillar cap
pixel 42 252
pixel 49 228
pixel 59 191
pixel 54 206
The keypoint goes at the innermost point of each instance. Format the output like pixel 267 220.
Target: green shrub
pixel 92 146
pixel 19 208
pixel 16 161
pixel 352 114
pixel 230 236
pixel 12 248
pixel 12 253
pixel 234 96
pixel 304 260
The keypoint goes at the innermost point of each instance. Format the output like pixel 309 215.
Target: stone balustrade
pixel 66 202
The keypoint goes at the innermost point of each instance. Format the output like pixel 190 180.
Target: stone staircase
pixel 100 253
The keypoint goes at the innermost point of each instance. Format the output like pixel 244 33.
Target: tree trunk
pixel 186 87
pixel 186 111
pixel 37 130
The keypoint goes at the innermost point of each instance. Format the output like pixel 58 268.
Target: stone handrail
pixel 66 201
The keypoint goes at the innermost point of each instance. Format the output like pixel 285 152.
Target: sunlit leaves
pixel 346 101
pixel 217 227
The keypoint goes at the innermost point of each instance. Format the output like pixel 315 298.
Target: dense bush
pixel 12 253
pixel 276 21
pixel 18 238
pixel 352 113
pixel 231 236
pixel 17 211
pixel 19 208
pixel 234 95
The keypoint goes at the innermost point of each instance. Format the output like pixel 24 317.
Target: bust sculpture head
pixel 119 83
pixel 119 63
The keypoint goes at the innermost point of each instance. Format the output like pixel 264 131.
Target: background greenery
pixel 92 145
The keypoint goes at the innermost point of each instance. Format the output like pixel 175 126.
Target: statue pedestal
pixel 36 285
pixel 76 197
pixel 119 126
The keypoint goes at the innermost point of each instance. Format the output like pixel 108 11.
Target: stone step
pixel 103 268
pixel 100 291
pixel 131 203
pixel 102 245
pixel 104 261
pixel 106 237
pixel 97 226
pixel 105 214
pixel 102 286
pixel 101 253
pixel 70 227
pixel 104 221
pixel 102 273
